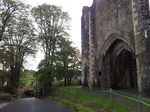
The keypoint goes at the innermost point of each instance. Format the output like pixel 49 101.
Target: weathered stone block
pixel 113 35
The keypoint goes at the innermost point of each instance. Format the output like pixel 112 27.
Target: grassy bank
pixel 73 97
pixel 72 105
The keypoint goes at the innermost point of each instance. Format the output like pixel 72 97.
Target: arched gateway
pixel 115 45
pixel 118 66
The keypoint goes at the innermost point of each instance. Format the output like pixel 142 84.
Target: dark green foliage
pixel 29 93
pixel 68 64
pixel 26 78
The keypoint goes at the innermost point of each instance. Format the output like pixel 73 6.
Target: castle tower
pixel 140 12
pixel 116 45
pixel 91 52
pixel 85 45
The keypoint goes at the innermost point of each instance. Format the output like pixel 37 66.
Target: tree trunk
pixel 69 81
pixel 15 72
pixel 2 81
pixel 65 81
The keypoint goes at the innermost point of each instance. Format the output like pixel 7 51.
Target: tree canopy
pixel 53 25
pixel 18 35
pixel 20 39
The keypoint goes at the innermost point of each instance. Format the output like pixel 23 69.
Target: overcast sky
pixel 74 8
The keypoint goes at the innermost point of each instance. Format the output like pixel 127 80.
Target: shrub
pixel 29 93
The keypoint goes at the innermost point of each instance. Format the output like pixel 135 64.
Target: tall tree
pixel 8 10
pixel 53 24
pixel 19 38
pixel 20 41
pixel 68 63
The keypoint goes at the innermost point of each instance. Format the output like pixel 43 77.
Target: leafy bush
pixel 29 93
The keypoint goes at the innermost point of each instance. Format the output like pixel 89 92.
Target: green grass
pixel 5 94
pixel 72 105
pixel 137 103
pixel 146 101
pixel 95 103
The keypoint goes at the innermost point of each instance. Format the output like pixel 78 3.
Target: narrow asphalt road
pixel 34 105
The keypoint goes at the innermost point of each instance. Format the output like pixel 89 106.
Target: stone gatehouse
pixel 116 45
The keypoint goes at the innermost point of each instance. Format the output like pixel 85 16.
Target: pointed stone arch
pixel 118 65
pixel 111 40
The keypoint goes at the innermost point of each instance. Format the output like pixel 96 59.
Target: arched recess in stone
pixel 123 71
pixel 111 40
pixel 118 65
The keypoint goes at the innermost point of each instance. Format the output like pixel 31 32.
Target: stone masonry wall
pixel 113 32
pixel 140 11
pixel 113 21
pixel 85 45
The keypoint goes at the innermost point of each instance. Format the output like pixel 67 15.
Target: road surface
pixel 34 105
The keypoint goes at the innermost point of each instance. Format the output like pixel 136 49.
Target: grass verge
pixel 96 104
pixel 144 103
pixel 73 106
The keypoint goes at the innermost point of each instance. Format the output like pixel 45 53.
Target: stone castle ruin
pixel 116 45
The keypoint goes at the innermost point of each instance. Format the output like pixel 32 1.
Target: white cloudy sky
pixel 74 8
